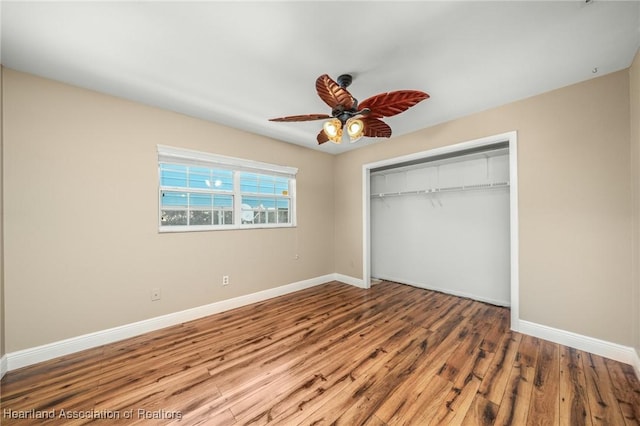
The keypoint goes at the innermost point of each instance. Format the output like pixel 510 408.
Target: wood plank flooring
pixel 333 354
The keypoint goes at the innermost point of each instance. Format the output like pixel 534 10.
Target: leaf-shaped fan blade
pixel 307 117
pixel 375 128
pixel 322 137
pixel 392 103
pixel 332 94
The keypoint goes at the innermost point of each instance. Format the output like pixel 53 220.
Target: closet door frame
pixel 511 139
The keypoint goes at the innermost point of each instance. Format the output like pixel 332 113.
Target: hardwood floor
pixel 332 354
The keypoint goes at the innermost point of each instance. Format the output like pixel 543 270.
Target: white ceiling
pixel 241 63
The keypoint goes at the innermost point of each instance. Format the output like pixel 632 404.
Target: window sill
pixel 174 229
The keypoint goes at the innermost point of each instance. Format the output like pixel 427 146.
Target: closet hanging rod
pixel 442 189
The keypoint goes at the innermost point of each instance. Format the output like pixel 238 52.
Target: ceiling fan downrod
pixel 340 112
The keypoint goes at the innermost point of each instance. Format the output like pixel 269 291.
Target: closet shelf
pixel 443 189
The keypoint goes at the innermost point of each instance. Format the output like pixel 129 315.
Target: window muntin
pixel 202 195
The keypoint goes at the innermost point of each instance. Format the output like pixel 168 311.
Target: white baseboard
pixel 614 351
pixel 26 357
pixel 357 282
pixel 636 363
pixel 3 366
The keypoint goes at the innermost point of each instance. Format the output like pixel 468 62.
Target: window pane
pixel 266 184
pixel 268 203
pixel 251 203
pixel 173 175
pixel 283 210
pixel 173 217
pixel 199 200
pixel 200 170
pixel 199 178
pixel 200 217
pixel 223 180
pixel 174 199
pixel 260 203
pixel 248 182
pixel 263 184
pixel 228 217
pixel 217 217
pixel 283 216
pixel 247 214
pixel 282 186
pixel 260 217
pixel 223 217
pixel 223 201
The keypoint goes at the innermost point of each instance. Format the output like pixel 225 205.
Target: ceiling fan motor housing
pixel 343 114
pixel 345 80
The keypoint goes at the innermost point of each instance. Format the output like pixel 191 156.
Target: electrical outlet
pixel 225 280
pixel 155 294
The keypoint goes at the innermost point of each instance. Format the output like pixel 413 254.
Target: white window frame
pixel 187 157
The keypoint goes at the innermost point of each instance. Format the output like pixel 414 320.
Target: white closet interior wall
pixel 444 225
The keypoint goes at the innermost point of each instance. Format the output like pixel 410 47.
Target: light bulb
pixel 333 130
pixel 332 127
pixel 355 126
pixel 355 129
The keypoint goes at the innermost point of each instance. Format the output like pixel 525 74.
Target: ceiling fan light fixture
pixel 355 129
pixel 333 129
pixel 359 119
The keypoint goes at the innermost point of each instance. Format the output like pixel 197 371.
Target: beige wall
pixel 82 249
pixel 574 203
pixel 634 83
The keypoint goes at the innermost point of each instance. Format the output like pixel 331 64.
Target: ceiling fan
pixel 359 119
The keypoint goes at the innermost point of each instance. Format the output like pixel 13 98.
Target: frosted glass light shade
pixel 355 129
pixel 333 130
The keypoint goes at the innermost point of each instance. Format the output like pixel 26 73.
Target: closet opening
pixel 446 220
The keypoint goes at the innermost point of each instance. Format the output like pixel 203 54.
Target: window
pixel 200 191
